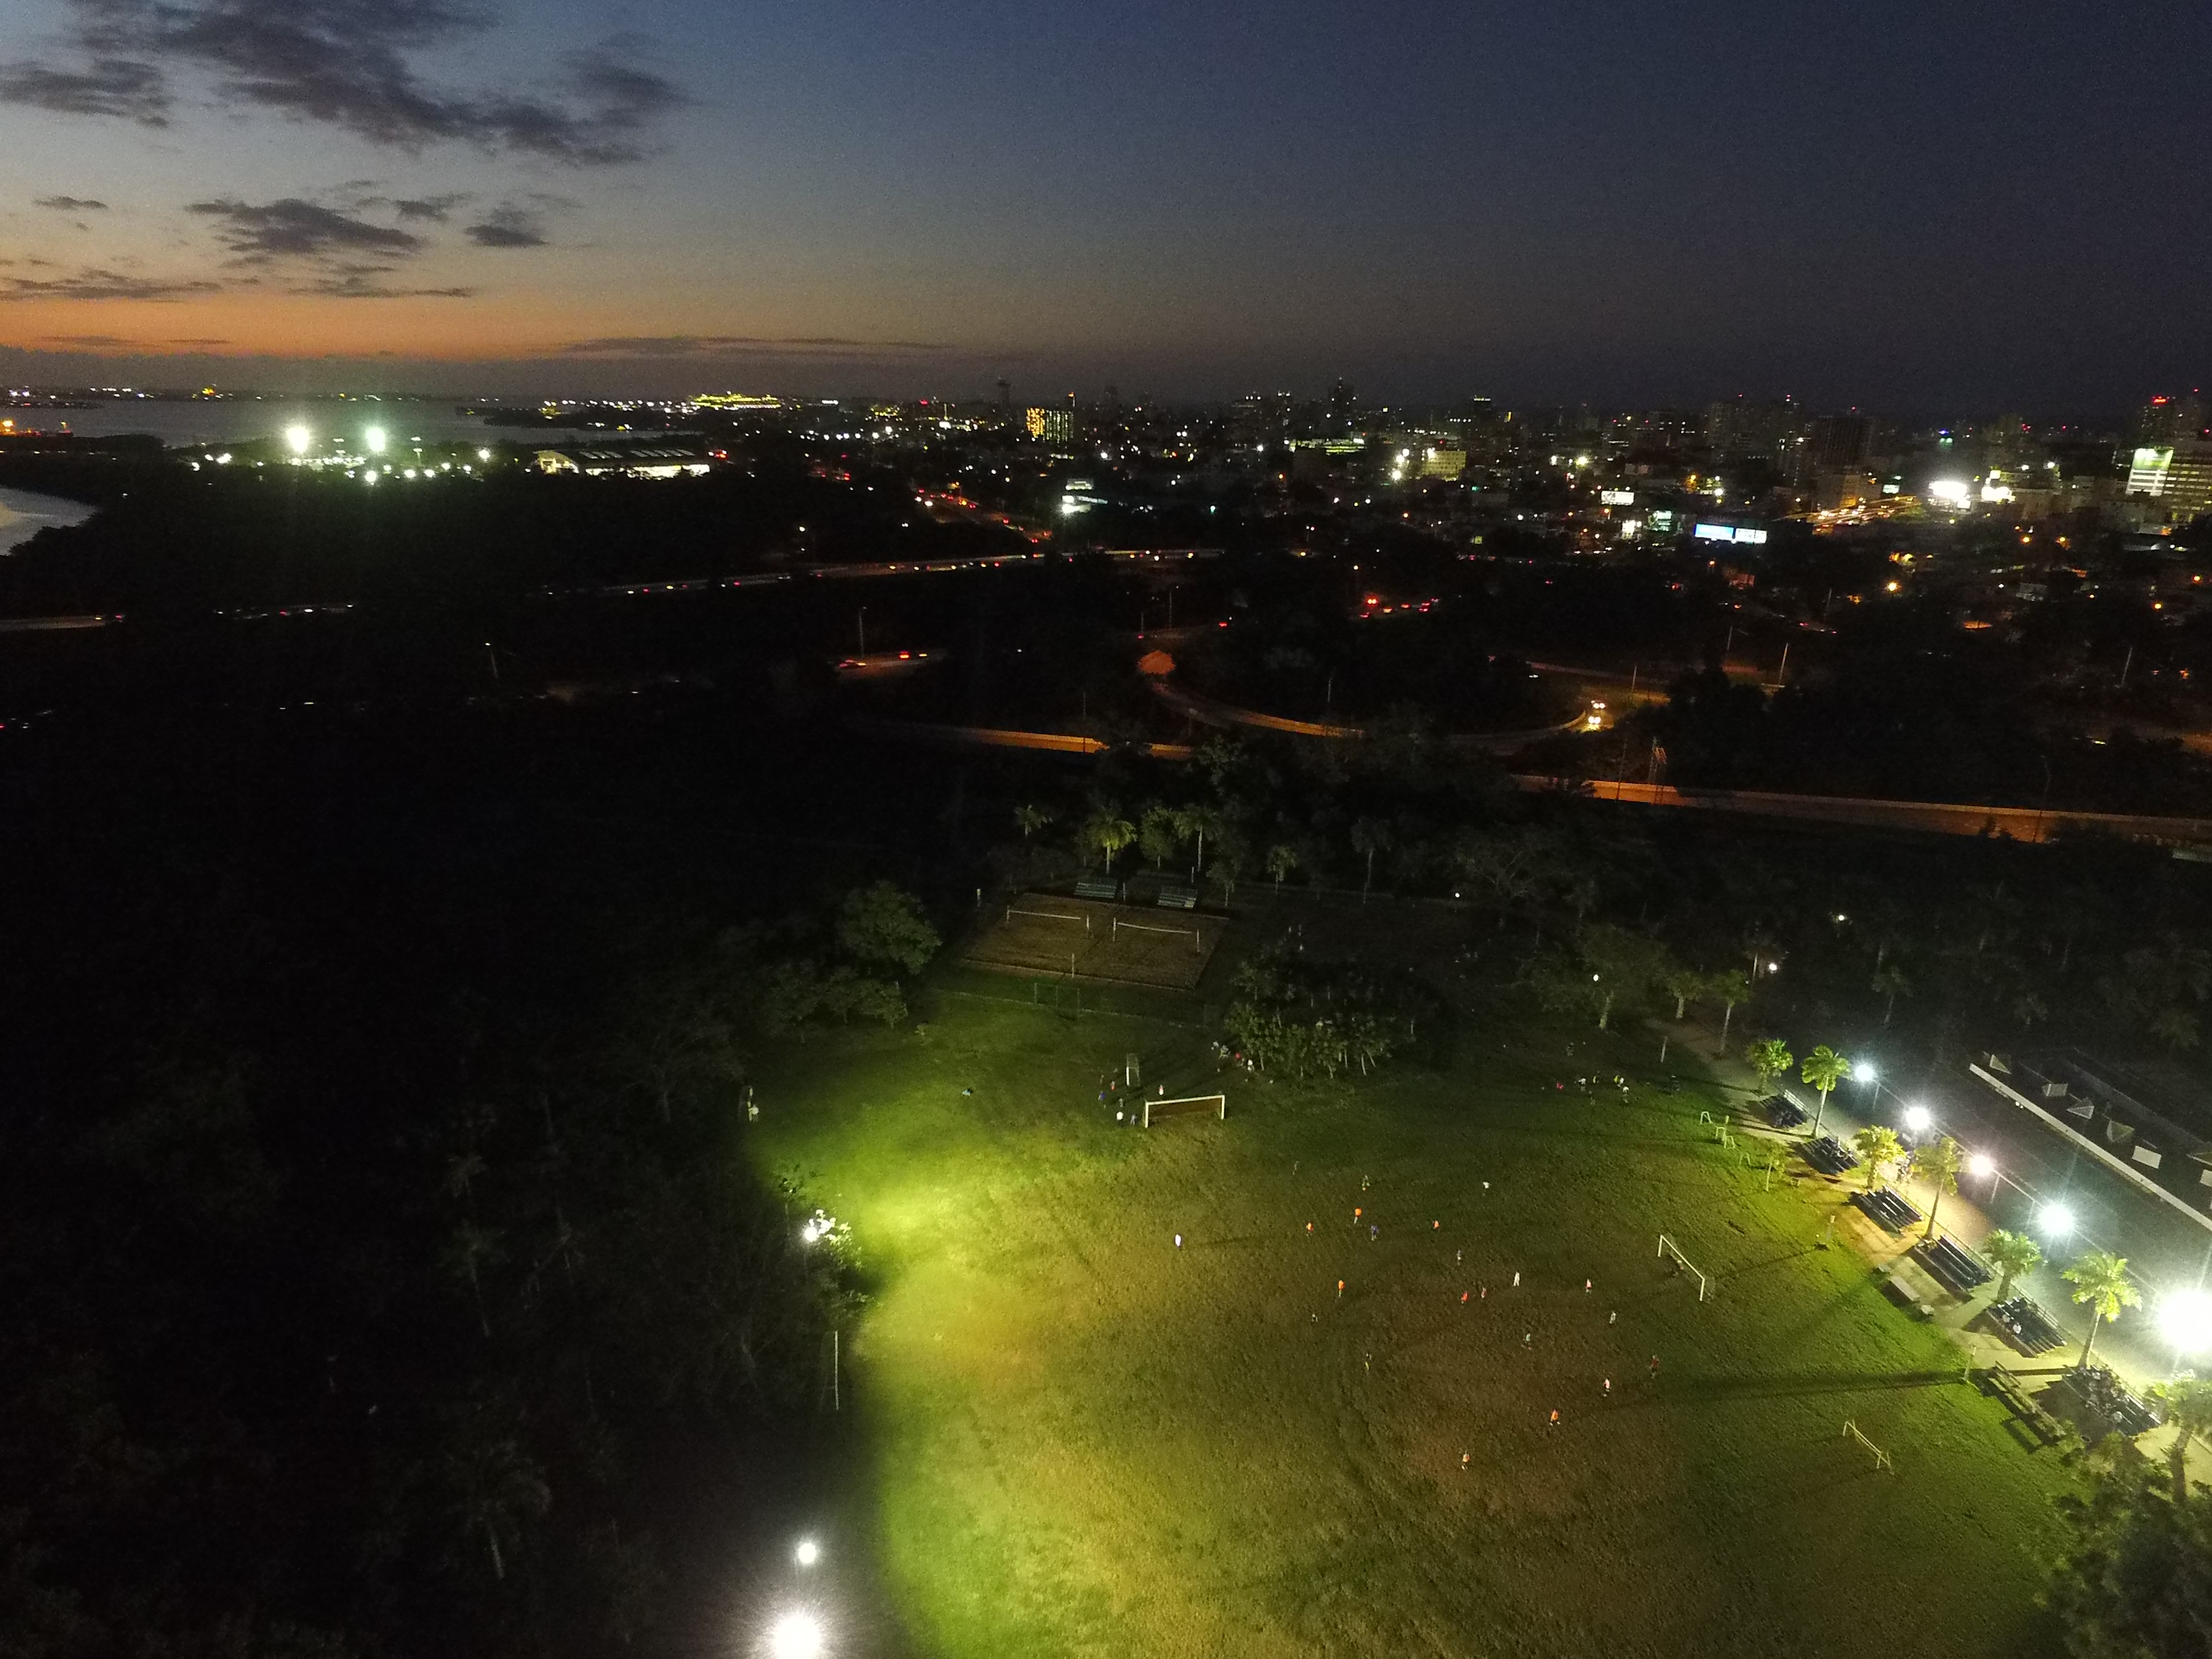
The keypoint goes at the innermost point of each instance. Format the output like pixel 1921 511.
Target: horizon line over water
pixel 180 422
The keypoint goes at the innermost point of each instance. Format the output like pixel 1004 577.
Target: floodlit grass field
pixel 1043 932
pixel 1088 1442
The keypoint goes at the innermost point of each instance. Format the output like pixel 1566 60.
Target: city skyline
pixel 1601 206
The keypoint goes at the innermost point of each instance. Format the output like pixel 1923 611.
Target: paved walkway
pixel 2129 1347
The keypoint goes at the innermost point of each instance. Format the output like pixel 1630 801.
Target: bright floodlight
pixel 375 439
pixel 1917 1118
pixel 1982 1163
pixel 2056 1220
pixel 1864 1071
pixel 795 1636
pixel 298 437
pixel 808 1553
pixel 2185 1320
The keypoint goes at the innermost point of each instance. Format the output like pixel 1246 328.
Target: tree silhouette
pixel 2101 1285
pixel 1728 989
pixel 1890 983
pixel 2014 1254
pixel 1877 1146
pixel 1768 1058
pixel 1937 1162
pixel 1110 833
pixel 1682 985
pixel 883 924
pixel 2188 1402
pixel 1824 1069
pixel 1369 837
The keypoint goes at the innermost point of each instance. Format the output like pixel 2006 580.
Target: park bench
pixel 1091 887
pixel 1828 1157
pixel 1900 1291
pixel 2031 1330
pixel 1784 1113
pixel 1955 1268
pixel 1887 1208
pixel 1177 898
pixel 2007 1389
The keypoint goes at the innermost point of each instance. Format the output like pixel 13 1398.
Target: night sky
pixel 1960 207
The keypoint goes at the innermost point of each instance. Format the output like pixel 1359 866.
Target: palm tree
pixel 1281 860
pixel 2188 1402
pixel 2014 1254
pixel 1198 821
pixel 1890 983
pixel 2101 1285
pixel 1728 989
pixel 1159 830
pixel 1936 1163
pixel 1824 1069
pixel 1370 836
pixel 1877 1146
pixel 1770 1057
pixel 1110 833
pixel 1682 985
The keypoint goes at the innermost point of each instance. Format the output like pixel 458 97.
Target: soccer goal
pixel 1880 1457
pixel 1197 944
pixel 1187 1106
pixel 1048 916
pixel 1667 1248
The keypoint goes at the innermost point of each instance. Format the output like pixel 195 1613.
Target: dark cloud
pixel 365 282
pixel 293 228
pixel 740 345
pixel 70 205
pixel 434 209
pixel 96 284
pixel 508 225
pixel 350 64
pixel 104 86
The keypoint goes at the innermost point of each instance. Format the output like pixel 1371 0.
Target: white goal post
pixel 1880 1457
pixel 1667 1248
pixel 1187 1106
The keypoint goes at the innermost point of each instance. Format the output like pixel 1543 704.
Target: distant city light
pixel 2184 1318
pixel 796 1636
pixel 298 437
pixel 2056 1219
pixel 1917 1118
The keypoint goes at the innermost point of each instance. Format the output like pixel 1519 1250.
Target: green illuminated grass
pixel 1087 1442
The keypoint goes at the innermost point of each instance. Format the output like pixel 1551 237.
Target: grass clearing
pixel 1089 1442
